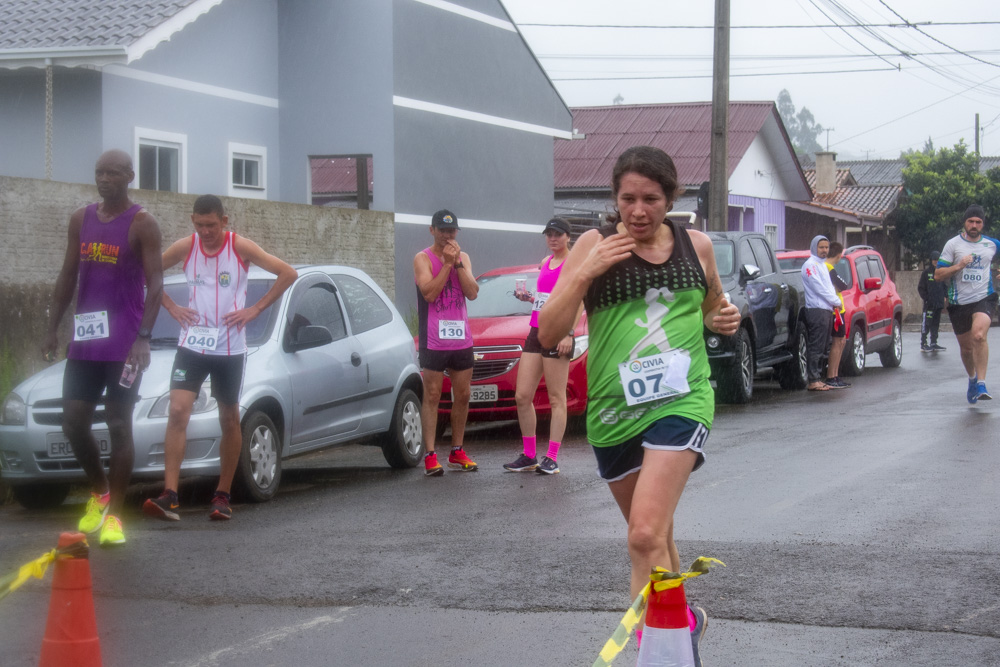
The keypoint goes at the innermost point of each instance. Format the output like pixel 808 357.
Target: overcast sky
pixel 934 93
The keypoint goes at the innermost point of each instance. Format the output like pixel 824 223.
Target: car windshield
pixel 792 263
pixel 725 256
pixel 496 296
pixel 167 330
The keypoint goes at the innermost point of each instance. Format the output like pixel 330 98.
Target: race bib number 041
pixel 201 339
pixel 451 330
pixel 655 377
pixel 91 326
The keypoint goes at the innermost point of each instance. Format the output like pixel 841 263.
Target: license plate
pixel 59 447
pixel 483 393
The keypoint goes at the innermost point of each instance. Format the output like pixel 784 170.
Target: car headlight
pixel 204 403
pixel 580 345
pixel 14 412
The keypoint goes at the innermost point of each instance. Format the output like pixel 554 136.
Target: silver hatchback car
pixel 331 362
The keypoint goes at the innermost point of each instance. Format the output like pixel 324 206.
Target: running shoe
pixel 93 516
pixel 937 348
pixel 111 531
pixel 522 464
pixel 163 507
pixel 457 460
pixel 837 383
pixel 926 348
pixel 973 392
pixel 701 624
pixel 431 466
pixel 983 395
pixel 221 511
pixel 548 466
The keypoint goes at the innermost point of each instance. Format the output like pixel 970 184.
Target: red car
pixel 499 325
pixel 873 306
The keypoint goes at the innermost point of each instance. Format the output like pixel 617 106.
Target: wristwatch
pixel 145 333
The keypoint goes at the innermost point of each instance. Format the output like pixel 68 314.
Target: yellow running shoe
pixel 93 518
pixel 111 531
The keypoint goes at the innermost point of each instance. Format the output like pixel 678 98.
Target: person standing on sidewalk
pixel 443 273
pixel 821 299
pixel 934 294
pixel 113 254
pixel 964 265
pixel 212 343
pixel 537 361
pixel 840 331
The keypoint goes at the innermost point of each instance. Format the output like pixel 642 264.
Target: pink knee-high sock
pixel 529 446
pixel 692 620
pixel 553 449
pixel 638 638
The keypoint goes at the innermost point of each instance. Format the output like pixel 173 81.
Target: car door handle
pixel 767 290
pixel 355 359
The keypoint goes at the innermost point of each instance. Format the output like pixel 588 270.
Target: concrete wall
pixel 34 215
pixel 906 283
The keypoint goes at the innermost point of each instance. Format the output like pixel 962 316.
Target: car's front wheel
pixel 893 355
pixel 854 357
pixel 259 469
pixel 403 444
pixel 40 496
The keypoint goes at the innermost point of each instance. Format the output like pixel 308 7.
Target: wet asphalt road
pixel 859 528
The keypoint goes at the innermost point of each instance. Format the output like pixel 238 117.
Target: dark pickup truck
pixel 772 333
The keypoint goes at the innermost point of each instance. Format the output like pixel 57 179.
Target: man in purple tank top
pixel 444 281
pixel 112 254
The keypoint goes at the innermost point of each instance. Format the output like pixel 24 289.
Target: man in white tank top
pixel 212 342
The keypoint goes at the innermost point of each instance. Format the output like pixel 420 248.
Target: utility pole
pixel 828 131
pixel 977 142
pixel 718 176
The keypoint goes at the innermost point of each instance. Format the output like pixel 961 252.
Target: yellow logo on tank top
pixel 104 253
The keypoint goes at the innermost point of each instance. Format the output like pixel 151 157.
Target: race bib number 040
pixel 91 326
pixel 451 330
pixel 201 339
pixel 655 377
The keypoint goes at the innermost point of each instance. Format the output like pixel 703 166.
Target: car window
pixel 317 306
pixel 167 329
pixel 763 255
pixel 843 269
pixel 792 263
pixel 496 296
pixel 365 308
pixel 725 256
pixel 861 264
pixel 876 268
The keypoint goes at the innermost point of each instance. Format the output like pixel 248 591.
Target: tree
pixel 937 188
pixel 928 149
pixel 802 127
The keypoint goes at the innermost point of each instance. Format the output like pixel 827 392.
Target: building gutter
pixel 92 57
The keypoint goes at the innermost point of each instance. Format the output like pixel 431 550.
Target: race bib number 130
pixel 451 330
pixel 655 377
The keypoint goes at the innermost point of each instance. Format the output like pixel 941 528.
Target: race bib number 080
pixel 91 326
pixel 201 339
pixel 976 276
pixel 451 330
pixel 655 377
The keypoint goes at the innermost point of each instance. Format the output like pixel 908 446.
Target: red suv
pixel 873 306
pixel 499 325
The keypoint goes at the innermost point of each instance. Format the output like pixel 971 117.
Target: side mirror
pixel 308 337
pixel 749 272
pixel 872 284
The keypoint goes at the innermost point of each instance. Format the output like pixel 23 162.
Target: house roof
pixel 852 197
pixel 682 130
pixel 89 32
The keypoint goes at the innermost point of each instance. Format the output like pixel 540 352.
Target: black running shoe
pixel 221 511
pixel 547 466
pixel 164 507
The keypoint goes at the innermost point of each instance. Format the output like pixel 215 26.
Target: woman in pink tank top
pixel 537 361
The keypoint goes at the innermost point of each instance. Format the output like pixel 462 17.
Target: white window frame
pixel 247 151
pixel 146 136
pixel 771 234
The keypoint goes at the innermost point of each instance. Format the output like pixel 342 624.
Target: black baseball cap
pixel 444 219
pixel 558 224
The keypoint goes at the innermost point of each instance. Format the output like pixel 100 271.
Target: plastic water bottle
pixel 129 373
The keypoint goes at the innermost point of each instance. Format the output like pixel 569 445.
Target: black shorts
pixel 839 330
pixel 961 314
pixel 672 433
pixel 87 380
pixel 226 371
pixel 532 345
pixel 447 360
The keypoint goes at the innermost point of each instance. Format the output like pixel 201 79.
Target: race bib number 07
pixel 451 330
pixel 201 339
pixel 655 377
pixel 91 326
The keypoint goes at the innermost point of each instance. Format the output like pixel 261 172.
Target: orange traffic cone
pixel 71 632
pixel 666 640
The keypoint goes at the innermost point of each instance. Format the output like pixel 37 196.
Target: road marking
pixel 267 638
pixel 979 612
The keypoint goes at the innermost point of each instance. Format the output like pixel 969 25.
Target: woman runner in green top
pixel 649 286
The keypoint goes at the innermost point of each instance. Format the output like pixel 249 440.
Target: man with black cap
pixel 444 281
pixel 933 293
pixel 964 266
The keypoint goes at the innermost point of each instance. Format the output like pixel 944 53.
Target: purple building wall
pixel 757 213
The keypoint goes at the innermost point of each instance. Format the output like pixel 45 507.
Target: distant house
pixel 763 170
pixel 441 101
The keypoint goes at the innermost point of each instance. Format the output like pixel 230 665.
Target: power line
pixel 688 57
pixel 908 24
pixel 947 46
pixel 709 76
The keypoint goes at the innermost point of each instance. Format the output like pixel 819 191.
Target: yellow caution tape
pixel 37 567
pixel 660 579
